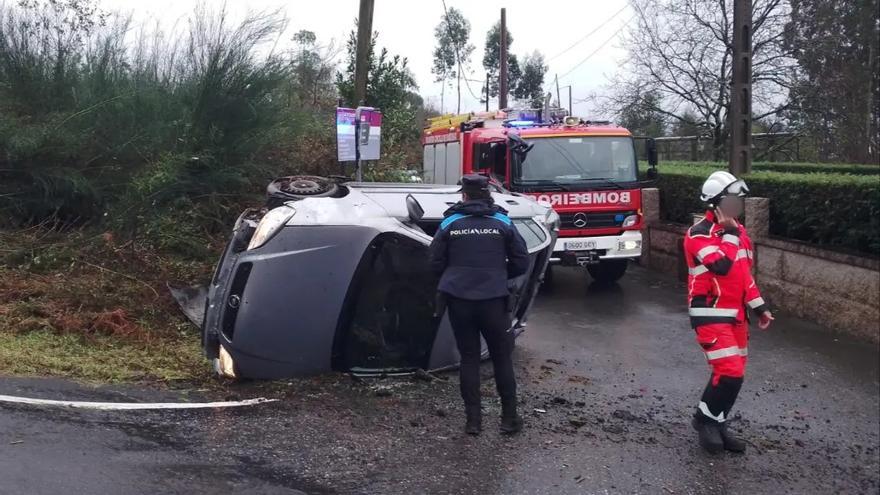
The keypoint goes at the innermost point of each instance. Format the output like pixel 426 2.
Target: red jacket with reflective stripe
pixel 720 281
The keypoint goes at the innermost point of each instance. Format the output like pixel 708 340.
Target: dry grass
pixel 77 305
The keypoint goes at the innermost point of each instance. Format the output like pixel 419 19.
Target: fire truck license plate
pixel 580 245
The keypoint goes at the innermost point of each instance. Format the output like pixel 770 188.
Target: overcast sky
pixel 406 27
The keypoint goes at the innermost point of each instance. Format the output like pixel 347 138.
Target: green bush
pixel 795 168
pixel 832 210
pixel 807 168
pixel 98 117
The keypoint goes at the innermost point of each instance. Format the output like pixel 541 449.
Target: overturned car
pixel 335 276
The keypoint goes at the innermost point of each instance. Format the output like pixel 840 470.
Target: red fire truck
pixel 588 172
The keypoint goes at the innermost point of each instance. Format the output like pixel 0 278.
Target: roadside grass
pixel 99 359
pixel 74 304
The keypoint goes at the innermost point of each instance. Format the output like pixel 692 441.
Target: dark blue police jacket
pixel 476 250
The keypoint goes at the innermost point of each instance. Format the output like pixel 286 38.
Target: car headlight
pixel 630 220
pixel 270 224
pixel 224 364
pixel 628 245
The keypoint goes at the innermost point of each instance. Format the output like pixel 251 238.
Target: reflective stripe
pixel 697 270
pixel 451 218
pixel 731 239
pixel 501 216
pixel 756 302
pixel 722 353
pixel 743 351
pixel 713 312
pixel 704 408
pixel 706 251
pixel 744 253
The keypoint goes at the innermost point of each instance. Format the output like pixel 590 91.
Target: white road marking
pixel 130 406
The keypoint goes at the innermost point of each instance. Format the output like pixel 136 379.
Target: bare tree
pixel 837 99
pixel 682 51
pixel 452 54
pixel 313 69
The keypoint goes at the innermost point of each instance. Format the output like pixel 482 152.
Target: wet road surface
pixel 615 371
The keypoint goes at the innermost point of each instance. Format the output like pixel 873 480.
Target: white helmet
pixel 720 184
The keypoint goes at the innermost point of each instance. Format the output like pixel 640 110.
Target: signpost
pixel 345 135
pixel 358 135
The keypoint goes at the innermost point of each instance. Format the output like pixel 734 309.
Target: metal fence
pixel 766 147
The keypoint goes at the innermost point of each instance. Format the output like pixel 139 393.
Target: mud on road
pixel 608 380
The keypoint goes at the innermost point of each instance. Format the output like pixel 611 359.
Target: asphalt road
pixel 615 371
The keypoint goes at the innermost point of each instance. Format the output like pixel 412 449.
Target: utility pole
pixel 740 116
pixel 487 91
pixel 570 108
pixel 361 66
pixel 502 83
pixel 362 60
pixel 558 98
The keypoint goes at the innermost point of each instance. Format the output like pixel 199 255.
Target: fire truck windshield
pixel 568 160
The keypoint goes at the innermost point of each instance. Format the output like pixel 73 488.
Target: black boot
pixel 731 442
pixel 474 424
pixel 709 434
pixel 511 422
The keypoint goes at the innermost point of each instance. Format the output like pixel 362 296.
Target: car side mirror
pixel 651 174
pixel 414 209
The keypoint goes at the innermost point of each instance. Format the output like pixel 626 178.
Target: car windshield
pixel 561 160
pixel 530 232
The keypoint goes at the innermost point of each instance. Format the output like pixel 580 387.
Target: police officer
pixel 720 288
pixel 476 251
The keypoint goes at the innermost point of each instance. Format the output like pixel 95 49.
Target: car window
pixel 530 231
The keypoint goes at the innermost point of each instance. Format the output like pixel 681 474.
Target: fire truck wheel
pixel 608 271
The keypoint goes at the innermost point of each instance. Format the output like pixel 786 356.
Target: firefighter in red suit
pixel 721 289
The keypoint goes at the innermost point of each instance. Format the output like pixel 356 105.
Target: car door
pixel 525 287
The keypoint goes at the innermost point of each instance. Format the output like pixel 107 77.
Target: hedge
pixel 833 210
pixel 795 168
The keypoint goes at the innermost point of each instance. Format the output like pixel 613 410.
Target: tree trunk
pixel 458 85
pixel 719 145
pixel 867 150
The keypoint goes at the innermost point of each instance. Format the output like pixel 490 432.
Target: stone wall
pixel 838 291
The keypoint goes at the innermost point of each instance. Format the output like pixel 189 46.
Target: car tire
pixel 296 187
pixel 608 271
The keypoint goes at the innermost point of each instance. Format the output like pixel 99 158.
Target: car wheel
pixel 298 187
pixel 608 271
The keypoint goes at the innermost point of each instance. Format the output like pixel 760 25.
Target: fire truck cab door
pixel 491 157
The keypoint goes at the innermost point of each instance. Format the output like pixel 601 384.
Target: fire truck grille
pixel 583 220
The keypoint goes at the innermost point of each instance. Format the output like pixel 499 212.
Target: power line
pixel 588 57
pixel 600 26
pixel 457 55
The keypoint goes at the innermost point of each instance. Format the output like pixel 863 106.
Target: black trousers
pixel 488 317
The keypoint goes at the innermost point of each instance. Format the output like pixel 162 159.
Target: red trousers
pixel 727 348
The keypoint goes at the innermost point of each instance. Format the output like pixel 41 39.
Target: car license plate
pixel 580 245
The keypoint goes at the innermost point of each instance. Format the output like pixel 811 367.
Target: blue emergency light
pixel 619 218
pixel 520 123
